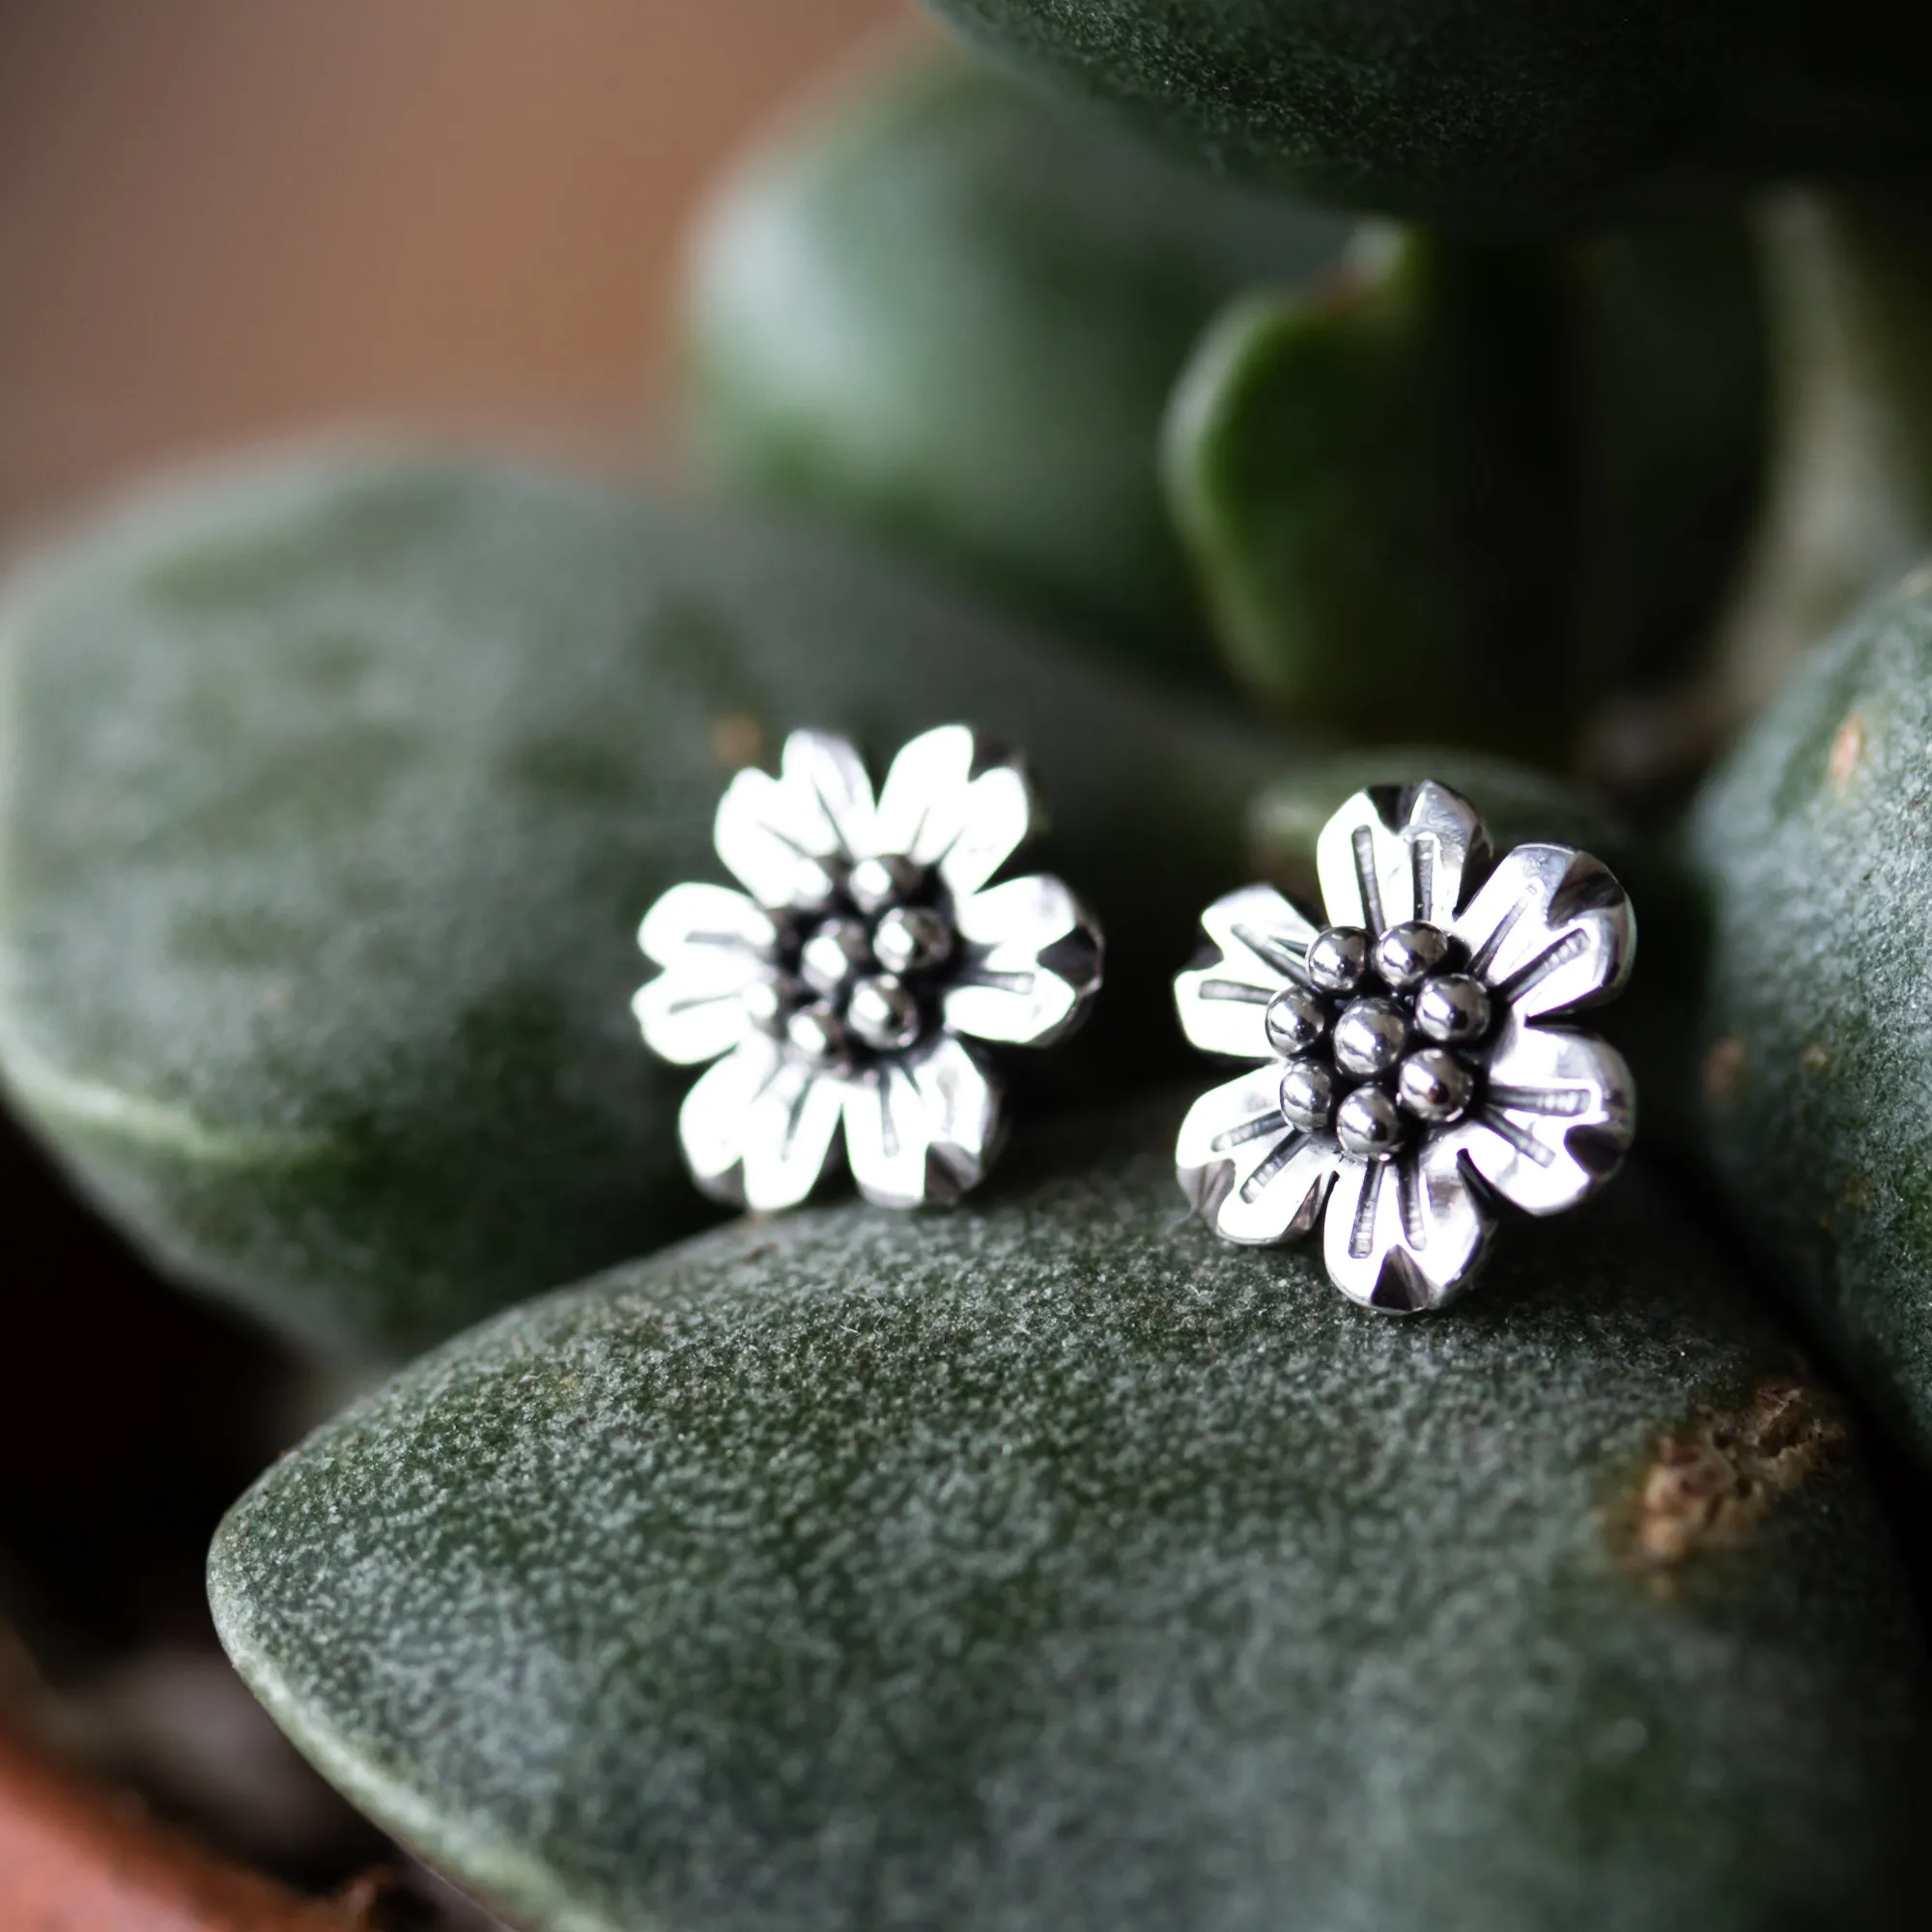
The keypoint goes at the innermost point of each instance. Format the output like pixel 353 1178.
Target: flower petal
pixel 712 1123
pixel 828 777
pixel 1262 940
pixel 687 1018
pixel 922 1128
pixel 956 801
pixel 1550 931
pixel 758 1128
pixel 1555 1119
pixel 784 836
pixel 1406 1234
pixel 1399 852
pixel 725 928
pixel 711 943
pixel 1033 964
pixel 781 858
pixel 1250 1175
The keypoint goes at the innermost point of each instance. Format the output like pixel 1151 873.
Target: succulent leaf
pixel 949 311
pixel 1816 1059
pixel 1465 492
pixel 337 789
pixel 1493 118
pixel 1050 1564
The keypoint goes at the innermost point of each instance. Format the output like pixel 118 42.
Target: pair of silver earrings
pixel 1411 1060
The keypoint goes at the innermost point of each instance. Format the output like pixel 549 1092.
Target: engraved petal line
pixel 1552 959
pixel 1369 885
pixel 1251 1130
pixel 1525 1142
pixel 1410 1179
pixel 1278 1159
pixel 1483 957
pixel 1284 956
pixel 1362 1235
pixel 1563 1102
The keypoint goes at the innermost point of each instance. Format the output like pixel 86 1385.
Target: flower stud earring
pixel 844 990
pixel 1415 1059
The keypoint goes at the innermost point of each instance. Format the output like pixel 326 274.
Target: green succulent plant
pixel 1055 1565
pixel 1816 1059
pixel 968 318
pixel 1432 397
pixel 336 790
pixel 1524 473
pixel 953 313
pixel 1489 116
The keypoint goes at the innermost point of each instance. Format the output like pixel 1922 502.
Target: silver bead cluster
pixel 853 977
pixel 1377 1039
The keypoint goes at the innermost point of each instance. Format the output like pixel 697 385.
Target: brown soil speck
pixel 737 740
pixel 1708 1487
pixel 1848 751
pixel 1723 1064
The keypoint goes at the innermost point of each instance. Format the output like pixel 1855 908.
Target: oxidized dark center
pixel 1383 1041
pixel 859 975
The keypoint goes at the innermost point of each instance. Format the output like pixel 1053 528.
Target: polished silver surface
pixel 835 954
pixel 1405 955
pixel 912 938
pixel 1297 1021
pixel 1453 1008
pixel 1309 1091
pixel 1369 1038
pixel 882 880
pixel 1414 1058
pixel 1337 959
pixel 884 1012
pixel 818 1033
pixel 1434 1085
pixel 846 992
pixel 1369 1124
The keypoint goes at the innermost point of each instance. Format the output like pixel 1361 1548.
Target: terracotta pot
pixel 76 1858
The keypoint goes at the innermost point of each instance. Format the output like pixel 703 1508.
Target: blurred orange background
pixel 225 219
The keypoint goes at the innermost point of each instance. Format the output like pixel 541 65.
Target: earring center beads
pixel 1374 1038
pixel 856 977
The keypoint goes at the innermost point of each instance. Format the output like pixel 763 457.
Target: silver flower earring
pixel 847 993
pixel 1413 1057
